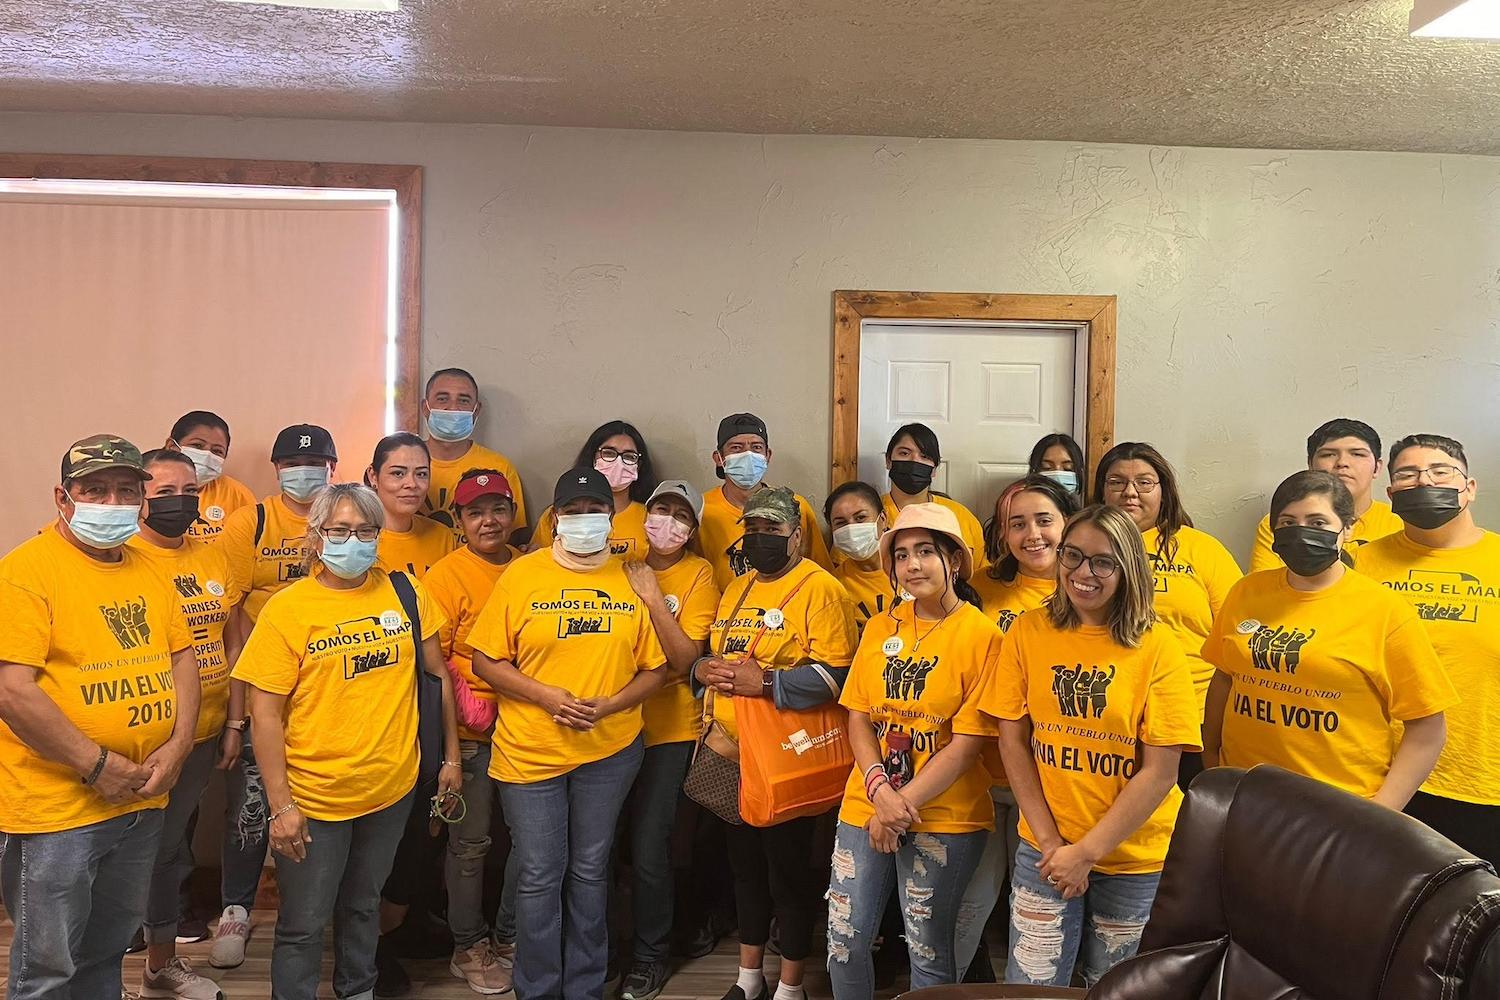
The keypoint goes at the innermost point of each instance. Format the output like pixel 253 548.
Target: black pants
pixel 1475 828
pixel 775 870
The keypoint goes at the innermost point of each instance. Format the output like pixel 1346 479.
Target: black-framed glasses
pixel 1441 475
pixel 1102 565
pixel 628 457
pixel 365 534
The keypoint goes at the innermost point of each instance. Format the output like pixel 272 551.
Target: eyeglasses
pixel 365 534
pixel 1143 485
pixel 628 457
pixel 1101 565
pixel 1441 475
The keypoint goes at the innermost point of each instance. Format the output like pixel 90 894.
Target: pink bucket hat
pixel 935 518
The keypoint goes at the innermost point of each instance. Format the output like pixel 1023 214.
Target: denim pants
pixel 468 844
pixel 347 862
pixel 1047 932
pixel 654 810
pixel 77 897
pixel 245 829
pixel 174 855
pixel 929 872
pixel 991 879
pixel 562 829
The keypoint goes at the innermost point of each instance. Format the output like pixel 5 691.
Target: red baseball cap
pixel 486 484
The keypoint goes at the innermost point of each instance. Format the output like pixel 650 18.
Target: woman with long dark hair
pixel 912 456
pixel 1059 458
pixel 618 452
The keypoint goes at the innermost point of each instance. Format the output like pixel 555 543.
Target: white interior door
pixel 988 390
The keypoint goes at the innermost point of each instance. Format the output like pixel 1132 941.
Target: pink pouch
pixel 474 713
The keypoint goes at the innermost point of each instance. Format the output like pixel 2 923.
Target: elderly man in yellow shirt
pixel 99 696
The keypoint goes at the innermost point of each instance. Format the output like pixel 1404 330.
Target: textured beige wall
pixel 670 278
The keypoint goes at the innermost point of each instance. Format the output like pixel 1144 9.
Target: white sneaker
pixel 228 951
pixel 177 980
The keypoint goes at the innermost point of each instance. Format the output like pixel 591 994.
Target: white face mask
pixel 857 541
pixel 209 465
pixel 583 534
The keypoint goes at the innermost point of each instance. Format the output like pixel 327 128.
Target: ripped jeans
pixel 1047 932
pixel 245 825
pixel 929 871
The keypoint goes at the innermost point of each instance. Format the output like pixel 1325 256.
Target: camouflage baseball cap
pixel 774 503
pixel 100 452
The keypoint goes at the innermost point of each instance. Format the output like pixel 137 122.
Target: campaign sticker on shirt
pixel 774 618
pixel 892 646
pixel 1247 626
pixel 390 621
pixel 672 603
pixel 214 587
pixel 905 595
pixel 214 512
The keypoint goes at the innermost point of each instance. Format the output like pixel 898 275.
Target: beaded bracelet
pixel 93 775
pixel 873 785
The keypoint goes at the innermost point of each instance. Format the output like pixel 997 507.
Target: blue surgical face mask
pixel 1066 478
pixel 451 425
pixel 104 525
pixel 300 482
pixel 583 534
pixel 350 558
pixel 745 469
pixel 208 465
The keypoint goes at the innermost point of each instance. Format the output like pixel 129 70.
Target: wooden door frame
pixel 404 179
pixel 850 308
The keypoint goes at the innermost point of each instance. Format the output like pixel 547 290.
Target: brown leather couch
pixel 1278 887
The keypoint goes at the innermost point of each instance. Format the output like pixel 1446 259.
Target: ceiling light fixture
pixel 1455 18
pixel 385 6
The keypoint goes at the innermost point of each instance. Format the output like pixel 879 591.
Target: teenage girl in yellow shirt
pixel 618 452
pixel 856 518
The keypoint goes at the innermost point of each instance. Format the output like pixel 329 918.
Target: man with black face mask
pixel 1448 568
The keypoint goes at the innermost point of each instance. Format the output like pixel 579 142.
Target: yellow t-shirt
pixel 585 632
pixel 931 690
pixel 460 583
pixel 673 715
pixel 869 590
pixel 100 637
pixel 205 591
pixel 804 616
pixel 1005 602
pixel 1456 593
pixel 1377 522
pixel 445 477
pixel 262 567
pixel 627 532
pixel 1091 701
pixel 1319 677
pixel 346 661
pixel 968 524
pixel 416 551
pixel 720 531
pixel 1190 590
pixel 217 501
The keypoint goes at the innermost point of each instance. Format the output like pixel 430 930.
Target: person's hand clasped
pixel 165 764
pixel 121 779
pixel 1067 869
pixel 748 679
pixel 568 710
pixel 715 672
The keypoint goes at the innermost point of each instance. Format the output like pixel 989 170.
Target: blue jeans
pixel 657 789
pixel 562 828
pixel 347 862
pixel 991 879
pixel 76 897
pixel 929 871
pixel 1046 931
pixel 174 855
pixel 245 827
pixel 468 843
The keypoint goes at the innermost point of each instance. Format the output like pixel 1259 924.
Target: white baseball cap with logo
pixel 680 488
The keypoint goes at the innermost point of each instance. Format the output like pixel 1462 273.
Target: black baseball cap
pixel 581 484
pixel 741 423
pixel 303 441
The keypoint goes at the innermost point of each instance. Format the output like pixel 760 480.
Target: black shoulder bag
pixel 429 695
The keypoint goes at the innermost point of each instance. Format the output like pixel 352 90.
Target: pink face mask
pixel 616 472
pixel 667 534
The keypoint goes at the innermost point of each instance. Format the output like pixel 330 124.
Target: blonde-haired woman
pixel 333 698
pixel 1096 705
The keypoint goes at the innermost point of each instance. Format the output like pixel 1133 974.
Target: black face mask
pixel 1427 506
pixel 768 554
pixel 172 516
pixel 1307 551
pixel 911 478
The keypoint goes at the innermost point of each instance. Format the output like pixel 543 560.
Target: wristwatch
pixel 237 724
pixel 767 685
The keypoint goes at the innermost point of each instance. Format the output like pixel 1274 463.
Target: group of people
pixel 372 662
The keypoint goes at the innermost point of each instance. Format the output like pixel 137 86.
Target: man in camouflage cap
pixel 99 696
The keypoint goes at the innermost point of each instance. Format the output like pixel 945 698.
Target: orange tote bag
pixel 792 762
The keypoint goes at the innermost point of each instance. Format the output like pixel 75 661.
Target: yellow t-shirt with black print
pixel 720 532
pixel 263 566
pixel 1006 600
pixel 803 616
pixel 585 632
pixel 968 524
pixel 100 637
pixel 444 480
pixel 206 591
pixel 1091 702
pixel 346 662
pixel 217 501
pixel 1456 594
pixel 673 715
pixel 627 532
pixel 1191 585
pixel 1319 676
pixel 1377 522
pixel 460 584
pixel 416 551
pixel 925 678
pixel 870 591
